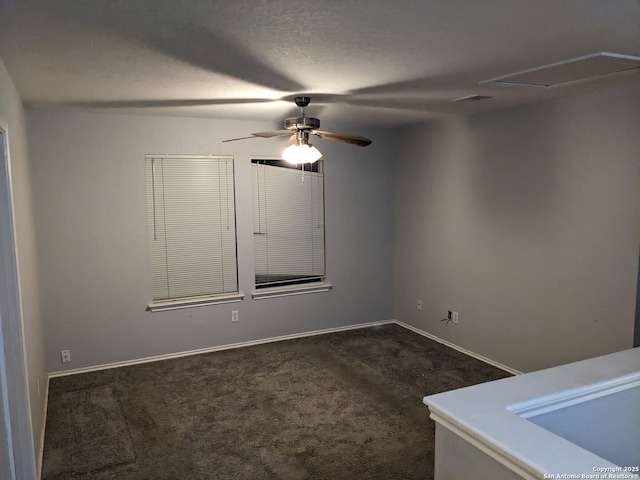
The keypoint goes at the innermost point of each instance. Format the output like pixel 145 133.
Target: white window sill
pixel 275 292
pixel 194 302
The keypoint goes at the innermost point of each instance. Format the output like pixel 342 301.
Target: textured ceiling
pixel 363 62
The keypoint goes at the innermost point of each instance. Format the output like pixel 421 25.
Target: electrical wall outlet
pixel 454 317
pixel 234 316
pixel 419 304
pixel 65 355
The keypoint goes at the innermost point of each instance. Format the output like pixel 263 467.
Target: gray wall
pixel 26 369
pixel 90 209
pixel 526 222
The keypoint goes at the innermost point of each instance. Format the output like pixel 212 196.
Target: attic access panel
pixel 574 70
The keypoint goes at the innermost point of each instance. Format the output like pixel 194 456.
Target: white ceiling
pixel 363 62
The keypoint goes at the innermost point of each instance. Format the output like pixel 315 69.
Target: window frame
pixel 196 300
pixel 290 287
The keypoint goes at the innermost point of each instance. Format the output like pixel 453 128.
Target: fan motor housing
pixel 302 123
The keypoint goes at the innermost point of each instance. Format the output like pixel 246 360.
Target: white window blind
pixel 192 228
pixel 288 224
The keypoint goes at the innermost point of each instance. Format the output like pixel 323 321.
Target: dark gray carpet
pixel 339 406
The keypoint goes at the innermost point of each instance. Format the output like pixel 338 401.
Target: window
pixel 288 223
pixel 192 230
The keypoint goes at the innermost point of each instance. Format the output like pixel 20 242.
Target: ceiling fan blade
pixel 271 134
pixel 341 137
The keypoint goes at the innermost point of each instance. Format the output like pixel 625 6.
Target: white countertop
pixel 491 416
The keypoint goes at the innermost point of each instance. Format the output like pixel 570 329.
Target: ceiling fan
pixel 300 150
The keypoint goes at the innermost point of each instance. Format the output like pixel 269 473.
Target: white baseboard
pixel 42 433
pixel 458 348
pixel 169 356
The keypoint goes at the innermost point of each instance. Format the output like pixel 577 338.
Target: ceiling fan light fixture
pixel 299 129
pixel 303 153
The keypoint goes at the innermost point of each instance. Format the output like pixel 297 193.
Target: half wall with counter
pixel 580 420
